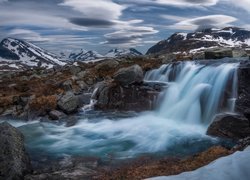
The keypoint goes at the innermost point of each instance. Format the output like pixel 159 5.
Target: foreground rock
pixel 229 126
pixel 67 169
pixel 14 162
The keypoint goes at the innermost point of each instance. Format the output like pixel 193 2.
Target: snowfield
pixel 232 167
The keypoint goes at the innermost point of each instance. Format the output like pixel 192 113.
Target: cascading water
pixel 194 94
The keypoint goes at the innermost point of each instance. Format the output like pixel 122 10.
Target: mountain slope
pixel 208 38
pixel 84 55
pixel 19 54
pixel 116 53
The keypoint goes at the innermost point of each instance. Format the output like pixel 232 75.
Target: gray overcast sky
pixel 65 25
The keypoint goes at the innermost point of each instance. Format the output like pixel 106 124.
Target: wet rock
pixel 130 75
pixel 218 53
pixel 242 144
pixel 56 115
pixel 137 97
pixel 84 98
pixel 15 162
pixel 243 101
pixel 68 103
pixel 229 126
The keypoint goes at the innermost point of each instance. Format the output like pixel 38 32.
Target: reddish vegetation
pixel 145 168
pixel 44 103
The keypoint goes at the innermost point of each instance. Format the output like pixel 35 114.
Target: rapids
pixel 194 94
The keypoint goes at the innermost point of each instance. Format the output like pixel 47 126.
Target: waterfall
pixel 196 92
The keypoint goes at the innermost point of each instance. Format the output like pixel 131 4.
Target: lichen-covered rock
pixel 14 161
pixel 229 126
pixel 129 75
pixel 68 103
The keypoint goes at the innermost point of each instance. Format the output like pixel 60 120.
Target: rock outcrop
pixel 127 91
pixel 14 161
pixel 218 53
pixel 229 126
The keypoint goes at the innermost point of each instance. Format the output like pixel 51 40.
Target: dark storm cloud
pixel 87 22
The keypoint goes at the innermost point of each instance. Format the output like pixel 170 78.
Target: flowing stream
pixel 194 94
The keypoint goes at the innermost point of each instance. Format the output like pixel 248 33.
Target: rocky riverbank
pixel 116 85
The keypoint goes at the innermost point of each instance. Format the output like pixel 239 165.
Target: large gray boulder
pixel 14 161
pixel 136 97
pixel 129 75
pixel 69 103
pixel 229 126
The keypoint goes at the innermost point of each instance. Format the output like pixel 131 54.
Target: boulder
pixel 69 103
pixel 56 115
pixel 136 97
pixel 229 126
pixel 129 75
pixel 218 53
pixel 14 161
pixel 107 65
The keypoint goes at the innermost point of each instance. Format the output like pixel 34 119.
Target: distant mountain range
pixel 83 55
pixel 201 40
pixel 16 54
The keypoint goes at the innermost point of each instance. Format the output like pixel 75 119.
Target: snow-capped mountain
pixel 201 40
pixel 19 54
pixel 116 53
pixel 84 55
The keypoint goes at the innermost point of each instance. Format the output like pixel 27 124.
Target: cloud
pixel 129 36
pixel 27 35
pixel 243 4
pixel 204 22
pixel 173 18
pixel 188 2
pixel 87 22
pixel 177 3
pixel 97 9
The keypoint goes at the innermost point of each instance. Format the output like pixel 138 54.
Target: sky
pixel 69 25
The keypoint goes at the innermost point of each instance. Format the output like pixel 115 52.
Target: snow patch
pixel 232 167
